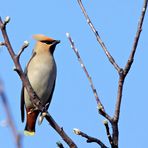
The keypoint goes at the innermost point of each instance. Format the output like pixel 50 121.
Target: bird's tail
pixel 31 122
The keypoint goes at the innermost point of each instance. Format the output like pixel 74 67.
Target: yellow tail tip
pixel 28 133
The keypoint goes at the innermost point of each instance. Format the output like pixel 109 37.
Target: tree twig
pixel 33 97
pixel 123 74
pixel 25 45
pixel 99 104
pixel 129 62
pixel 137 36
pixel 108 133
pixel 61 131
pixel 111 59
pixel 4 99
pixel 89 138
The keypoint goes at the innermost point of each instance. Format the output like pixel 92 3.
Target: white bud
pixel 82 65
pixel 143 9
pixel 105 122
pixel 88 21
pixel 26 43
pixel 76 131
pixel 67 34
pixel 76 49
pixel 71 46
pixel 7 19
pixel 100 107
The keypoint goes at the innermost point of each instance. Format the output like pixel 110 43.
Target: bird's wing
pixel 50 97
pixel 33 55
pixel 22 104
pixel 22 91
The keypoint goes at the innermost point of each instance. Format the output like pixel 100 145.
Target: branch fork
pixel 89 139
pixel 121 71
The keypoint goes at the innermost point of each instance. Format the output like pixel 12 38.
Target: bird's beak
pixel 56 42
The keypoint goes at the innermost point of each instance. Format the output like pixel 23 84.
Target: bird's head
pixel 45 43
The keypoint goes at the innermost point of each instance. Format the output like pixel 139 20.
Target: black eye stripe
pixel 47 42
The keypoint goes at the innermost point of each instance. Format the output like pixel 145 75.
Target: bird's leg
pixel 32 110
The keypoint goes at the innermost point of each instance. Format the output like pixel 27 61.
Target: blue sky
pixel 73 104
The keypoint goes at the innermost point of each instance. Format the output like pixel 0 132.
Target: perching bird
pixel 41 72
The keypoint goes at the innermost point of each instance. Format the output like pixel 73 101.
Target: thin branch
pixel 89 138
pixel 16 136
pixel 130 61
pixel 61 131
pixel 108 133
pixel 25 45
pixel 99 104
pixel 137 36
pixel 110 58
pixel 119 97
pixel 123 74
pixel 33 97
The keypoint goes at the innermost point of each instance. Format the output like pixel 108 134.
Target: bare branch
pixel 16 136
pixel 119 97
pixel 111 59
pixel 6 21
pixel 99 104
pixel 25 45
pixel 129 62
pixel 61 131
pixel 123 74
pixel 33 97
pixel 137 36
pixel 108 133
pixel 89 138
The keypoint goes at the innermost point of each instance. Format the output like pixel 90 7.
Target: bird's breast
pixel 41 74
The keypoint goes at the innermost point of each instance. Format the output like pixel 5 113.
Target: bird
pixel 41 72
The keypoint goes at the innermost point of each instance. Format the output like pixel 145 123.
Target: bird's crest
pixel 41 37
